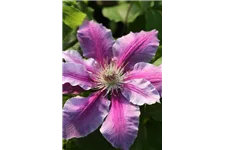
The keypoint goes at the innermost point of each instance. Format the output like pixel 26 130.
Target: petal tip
pixel 155 31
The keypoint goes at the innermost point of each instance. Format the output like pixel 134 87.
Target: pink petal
pixel 121 125
pixel 72 56
pixel 140 91
pixel 149 72
pixel 96 41
pixel 135 47
pixel 75 57
pixel 83 115
pixel 76 74
pixel 69 89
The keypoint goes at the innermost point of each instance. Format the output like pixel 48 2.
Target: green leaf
pixel 158 62
pixel 122 2
pixel 140 20
pixel 149 136
pixel 138 3
pixel 76 47
pixel 94 141
pixel 69 2
pixel 152 3
pixel 153 111
pixel 69 39
pixel 157 5
pixel 72 16
pixel 70 145
pixel 81 5
pixel 64 144
pixel 66 30
pixel 118 13
pixel 145 4
pixel 113 26
pixel 86 93
pixel 154 135
pixel 66 97
pixel 83 94
pixel 89 12
pixel 157 55
pixel 153 20
pixel 141 142
pixel 85 1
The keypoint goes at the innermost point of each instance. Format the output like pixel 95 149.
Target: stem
pixel 128 13
pixel 125 21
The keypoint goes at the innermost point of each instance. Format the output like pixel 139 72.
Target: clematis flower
pixel 119 73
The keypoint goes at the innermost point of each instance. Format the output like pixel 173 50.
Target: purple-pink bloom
pixel 116 69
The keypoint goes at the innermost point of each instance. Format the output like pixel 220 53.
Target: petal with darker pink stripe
pixel 147 71
pixel 135 47
pixel 83 115
pixel 121 125
pixel 140 91
pixel 96 41
pixel 75 57
pixel 76 74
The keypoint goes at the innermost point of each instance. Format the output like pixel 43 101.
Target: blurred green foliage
pixel 121 17
pixel 125 12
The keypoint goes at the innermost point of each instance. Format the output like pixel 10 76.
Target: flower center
pixel 110 77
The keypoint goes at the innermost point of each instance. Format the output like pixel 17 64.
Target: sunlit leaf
pixel 72 16
pixel 85 1
pixel 69 2
pixel 157 55
pixel 122 2
pixel 158 62
pixel 76 47
pixel 119 13
pixel 82 6
pixel 64 144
